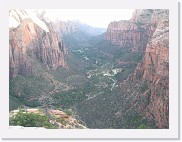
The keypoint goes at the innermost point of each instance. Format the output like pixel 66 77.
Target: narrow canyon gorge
pixel 110 78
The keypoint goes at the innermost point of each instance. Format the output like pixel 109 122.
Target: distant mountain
pixel 73 39
pixel 75 26
pixel 91 30
pixel 74 33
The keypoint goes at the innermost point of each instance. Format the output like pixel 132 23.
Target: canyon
pixel 154 68
pixel 111 78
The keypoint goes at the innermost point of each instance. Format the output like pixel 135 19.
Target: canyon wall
pixel 133 33
pixel 147 31
pixel 155 69
pixel 30 40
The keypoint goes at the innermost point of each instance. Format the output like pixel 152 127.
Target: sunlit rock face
pixel 155 68
pixel 133 33
pixel 30 40
pixel 147 31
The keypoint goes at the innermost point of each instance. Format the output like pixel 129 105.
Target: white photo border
pixel 171 133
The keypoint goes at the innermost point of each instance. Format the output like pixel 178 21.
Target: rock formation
pixel 155 68
pixel 147 31
pixel 32 39
pixel 60 119
pixel 133 33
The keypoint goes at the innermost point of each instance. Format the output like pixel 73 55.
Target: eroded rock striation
pixel 133 33
pixel 155 69
pixel 32 39
pixel 148 32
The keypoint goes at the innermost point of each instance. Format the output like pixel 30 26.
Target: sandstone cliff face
pixel 133 33
pixel 148 86
pixel 155 68
pixel 68 27
pixel 32 39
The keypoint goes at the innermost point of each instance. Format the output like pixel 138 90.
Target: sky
pixel 93 17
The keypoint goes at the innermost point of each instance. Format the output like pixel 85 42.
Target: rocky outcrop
pixel 134 33
pixel 155 69
pixel 147 89
pixel 59 119
pixel 31 39
pixel 65 121
pixel 68 27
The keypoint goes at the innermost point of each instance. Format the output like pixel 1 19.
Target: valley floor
pixel 90 86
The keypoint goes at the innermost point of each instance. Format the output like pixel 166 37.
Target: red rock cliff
pixel 32 39
pixel 148 86
pixel 155 69
pixel 133 33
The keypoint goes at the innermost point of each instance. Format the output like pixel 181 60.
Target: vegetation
pixel 92 97
pixel 75 38
pixel 68 112
pixel 143 126
pixel 14 102
pixel 28 90
pixel 30 120
pixel 136 120
pixel 143 86
pixel 62 121
pixel 68 99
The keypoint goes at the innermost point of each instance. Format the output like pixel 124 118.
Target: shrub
pixel 68 112
pixel 143 126
pixel 30 120
pixel 62 121
pixel 143 86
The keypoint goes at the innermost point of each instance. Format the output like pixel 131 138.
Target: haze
pixel 93 17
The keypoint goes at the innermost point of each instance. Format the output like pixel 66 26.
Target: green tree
pixel 68 112
pixel 30 120
pixel 143 126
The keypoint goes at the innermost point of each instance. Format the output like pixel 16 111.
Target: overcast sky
pixel 94 17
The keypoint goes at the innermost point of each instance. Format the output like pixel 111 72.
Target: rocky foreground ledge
pixel 44 118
